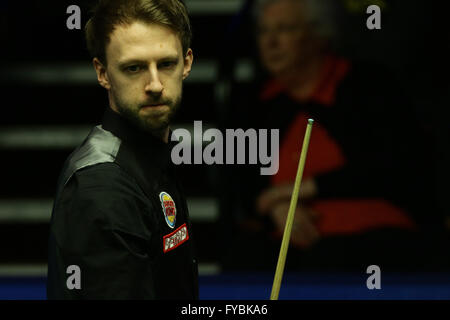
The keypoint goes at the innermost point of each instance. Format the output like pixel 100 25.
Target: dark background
pixel 48 85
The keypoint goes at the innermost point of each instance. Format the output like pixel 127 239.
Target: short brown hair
pixel 107 14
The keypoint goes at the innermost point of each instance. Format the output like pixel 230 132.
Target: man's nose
pixel 153 83
pixel 269 39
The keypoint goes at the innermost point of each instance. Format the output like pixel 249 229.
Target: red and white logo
pixel 175 239
pixel 169 209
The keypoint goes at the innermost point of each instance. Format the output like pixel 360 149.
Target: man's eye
pixel 288 28
pixel 167 64
pixel 133 69
pixel 262 30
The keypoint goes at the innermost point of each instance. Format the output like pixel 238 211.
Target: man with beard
pixel 120 226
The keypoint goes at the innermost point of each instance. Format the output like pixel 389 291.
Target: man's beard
pixel 156 124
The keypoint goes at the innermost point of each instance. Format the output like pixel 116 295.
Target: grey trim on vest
pixel 100 146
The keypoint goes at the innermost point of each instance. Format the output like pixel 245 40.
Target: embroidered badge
pixel 175 239
pixel 169 210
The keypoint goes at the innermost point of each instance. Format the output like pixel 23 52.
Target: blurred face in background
pixel 145 70
pixel 285 41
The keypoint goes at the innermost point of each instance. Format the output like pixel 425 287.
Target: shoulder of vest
pixel 100 146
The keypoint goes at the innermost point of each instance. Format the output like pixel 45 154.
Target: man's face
pixel 283 36
pixel 144 73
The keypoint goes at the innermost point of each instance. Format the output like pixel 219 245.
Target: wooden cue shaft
pixel 290 217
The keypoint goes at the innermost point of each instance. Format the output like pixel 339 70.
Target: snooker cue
pixel 290 217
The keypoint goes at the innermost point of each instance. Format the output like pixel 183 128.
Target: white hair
pixel 320 16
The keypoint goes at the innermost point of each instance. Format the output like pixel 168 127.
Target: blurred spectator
pixel 365 196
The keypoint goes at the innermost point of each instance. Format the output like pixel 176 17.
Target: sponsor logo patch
pixel 175 239
pixel 169 209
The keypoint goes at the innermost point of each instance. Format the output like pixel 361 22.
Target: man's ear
pixel 188 59
pixel 102 76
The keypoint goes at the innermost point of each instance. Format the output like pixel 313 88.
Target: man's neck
pixel 162 134
pixel 165 135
